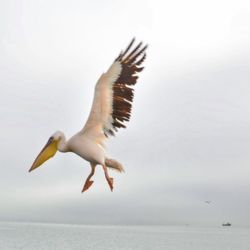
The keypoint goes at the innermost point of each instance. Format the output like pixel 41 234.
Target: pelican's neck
pixel 62 145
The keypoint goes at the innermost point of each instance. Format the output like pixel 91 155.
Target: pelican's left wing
pixel 114 93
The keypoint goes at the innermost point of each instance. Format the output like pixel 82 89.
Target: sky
pixel 188 140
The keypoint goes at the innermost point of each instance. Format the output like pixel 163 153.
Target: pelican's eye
pixel 51 139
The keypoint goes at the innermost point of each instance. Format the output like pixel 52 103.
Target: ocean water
pixel 34 236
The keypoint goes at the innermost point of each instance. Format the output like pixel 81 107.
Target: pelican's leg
pixel 88 182
pixel 109 179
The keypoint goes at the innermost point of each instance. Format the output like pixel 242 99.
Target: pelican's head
pixel 48 151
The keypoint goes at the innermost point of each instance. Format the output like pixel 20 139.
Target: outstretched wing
pixel 114 93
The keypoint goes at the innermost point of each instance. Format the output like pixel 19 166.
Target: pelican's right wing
pixel 114 93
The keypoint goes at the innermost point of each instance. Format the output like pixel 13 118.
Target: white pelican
pixel 111 107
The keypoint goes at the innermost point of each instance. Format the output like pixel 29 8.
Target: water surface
pixel 34 236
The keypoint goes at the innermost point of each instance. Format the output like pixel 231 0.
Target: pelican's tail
pixel 111 163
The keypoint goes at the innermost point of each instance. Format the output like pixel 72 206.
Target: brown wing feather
pixel 123 91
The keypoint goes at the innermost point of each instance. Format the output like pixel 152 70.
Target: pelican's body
pixel 111 107
pixel 87 148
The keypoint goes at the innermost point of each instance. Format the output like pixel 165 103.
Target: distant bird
pixel 111 107
pixel 208 202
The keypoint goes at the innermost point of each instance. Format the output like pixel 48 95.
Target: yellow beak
pixel 47 152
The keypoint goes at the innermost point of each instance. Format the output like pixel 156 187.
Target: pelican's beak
pixel 47 152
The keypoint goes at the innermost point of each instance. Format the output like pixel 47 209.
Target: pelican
pixel 111 107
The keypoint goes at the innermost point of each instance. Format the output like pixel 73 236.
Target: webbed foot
pixel 87 185
pixel 111 182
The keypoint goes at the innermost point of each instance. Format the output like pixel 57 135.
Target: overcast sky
pixel 189 137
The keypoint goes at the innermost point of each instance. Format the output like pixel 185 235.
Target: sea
pixel 39 236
